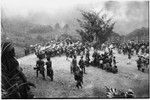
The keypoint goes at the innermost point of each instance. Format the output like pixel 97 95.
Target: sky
pixel 128 15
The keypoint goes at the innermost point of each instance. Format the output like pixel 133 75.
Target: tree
pixel 57 26
pixel 66 28
pixel 95 28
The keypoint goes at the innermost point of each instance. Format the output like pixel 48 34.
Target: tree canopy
pixel 95 28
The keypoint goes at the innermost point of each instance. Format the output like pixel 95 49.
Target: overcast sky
pixel 128 14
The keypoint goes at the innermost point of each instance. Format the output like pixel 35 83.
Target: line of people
pixel 58 49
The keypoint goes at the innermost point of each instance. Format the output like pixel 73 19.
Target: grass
pixel 142 91
pixel 19 51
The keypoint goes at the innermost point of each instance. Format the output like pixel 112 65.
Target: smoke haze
pixel 128 15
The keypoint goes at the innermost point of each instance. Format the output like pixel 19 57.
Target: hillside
pixel 40 29
pixel 139 34
pixel 23 27
pixel 24 33
pixel 94 81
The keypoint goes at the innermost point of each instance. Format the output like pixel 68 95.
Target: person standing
pixel 114 61
pixel 67 54
pixel 50 72
pixel 74 64
pixel 78 76
pixel 87 58
pixel 40 67
pixel 129 54
pixel 82 65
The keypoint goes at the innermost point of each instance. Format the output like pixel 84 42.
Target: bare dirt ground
pixel 95 80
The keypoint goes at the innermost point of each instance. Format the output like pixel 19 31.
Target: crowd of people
pixel 71 50
pixel 140 49
pixel 103 57
pixel 104 60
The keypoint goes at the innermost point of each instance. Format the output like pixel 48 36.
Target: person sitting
pixel 114 69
